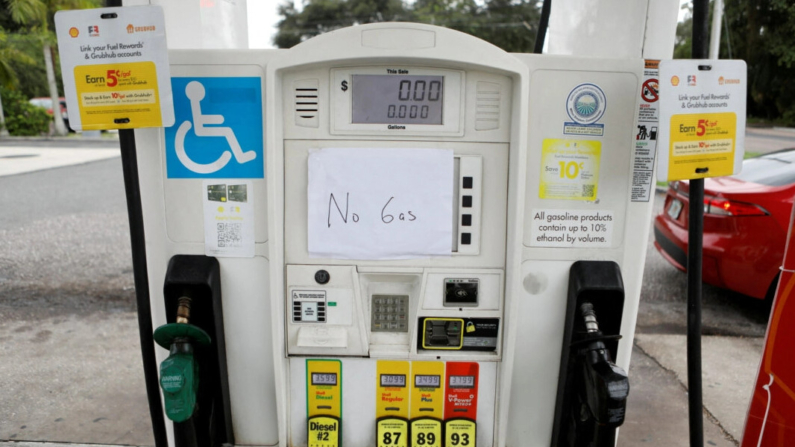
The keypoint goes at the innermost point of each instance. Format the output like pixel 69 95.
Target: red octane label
pixel 461 390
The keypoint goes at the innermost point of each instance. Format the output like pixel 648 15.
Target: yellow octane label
pixel 392 432
pixel 460 432
pixel 118 95
pixel 392 389
pixel 427 390
pixel 324 387
pixel 426 432
pixel 323 431
pixel 702 145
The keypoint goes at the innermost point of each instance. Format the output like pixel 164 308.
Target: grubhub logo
pixel 139 29
pixel 723 81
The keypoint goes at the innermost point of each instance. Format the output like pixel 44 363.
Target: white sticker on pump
pixel 228 218
pixel 572 228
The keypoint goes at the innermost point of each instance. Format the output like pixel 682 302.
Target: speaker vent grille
pixel 306 102
pixel 487 106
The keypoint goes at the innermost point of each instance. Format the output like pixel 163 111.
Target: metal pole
pixel 543 25
pixel 3 130
pixel 694 260
pixel 132 189
pixel 714 37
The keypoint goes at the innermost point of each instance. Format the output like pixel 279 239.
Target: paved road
pixel 71 368
pixel 67 318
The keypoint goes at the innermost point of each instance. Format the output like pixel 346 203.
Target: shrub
pixel 22 118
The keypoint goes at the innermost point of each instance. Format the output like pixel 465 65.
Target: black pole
pixel 543 24
pixel 135 215
pixel 129 164
pixel 694 258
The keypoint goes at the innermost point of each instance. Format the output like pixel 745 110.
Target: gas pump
pixel 394 235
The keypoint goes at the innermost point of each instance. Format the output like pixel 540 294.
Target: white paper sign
pixel 228 218
pixel 572 228
pixel 114 63
pixel 379 203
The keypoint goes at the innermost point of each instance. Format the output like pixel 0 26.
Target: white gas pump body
pixel 503 109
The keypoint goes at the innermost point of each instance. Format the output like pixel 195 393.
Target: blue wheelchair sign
pixel 217 131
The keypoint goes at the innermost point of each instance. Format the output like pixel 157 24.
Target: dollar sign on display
pixel 344 86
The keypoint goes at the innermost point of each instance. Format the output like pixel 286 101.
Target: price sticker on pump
pixel 114 63
pixel 569 169
pixel 702 119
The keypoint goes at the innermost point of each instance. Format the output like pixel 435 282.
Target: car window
pixel 774 169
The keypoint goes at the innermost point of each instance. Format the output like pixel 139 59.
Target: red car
pixel 746 217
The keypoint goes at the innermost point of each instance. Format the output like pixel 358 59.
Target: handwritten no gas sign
pixel 114 63
pixel 379 203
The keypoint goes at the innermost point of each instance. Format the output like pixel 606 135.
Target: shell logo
pixel 674 80
pixel 74 32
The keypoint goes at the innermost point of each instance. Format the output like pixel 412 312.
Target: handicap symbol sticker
pixel 217 132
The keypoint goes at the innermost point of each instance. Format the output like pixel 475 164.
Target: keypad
pixel 389 313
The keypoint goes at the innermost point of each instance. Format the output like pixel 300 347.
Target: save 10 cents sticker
pixel 569 169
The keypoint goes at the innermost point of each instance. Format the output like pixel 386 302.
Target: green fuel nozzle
pixel 179 373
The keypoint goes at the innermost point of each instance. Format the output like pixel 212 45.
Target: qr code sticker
pixel 588 190
pixel 230 235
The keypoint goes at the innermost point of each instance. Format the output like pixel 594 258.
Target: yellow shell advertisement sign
pixel 114 63
pixel 702 119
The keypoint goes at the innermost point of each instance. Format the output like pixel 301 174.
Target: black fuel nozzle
pixel 604 386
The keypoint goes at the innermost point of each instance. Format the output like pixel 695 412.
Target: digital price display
pixel 324 379
pixel 462 381
pixel 393 380
pixel 422 381
pixel 391 99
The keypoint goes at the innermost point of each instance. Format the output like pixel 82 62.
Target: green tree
pixel 760 33
pixel 508 24
pixel 36 18
pixel 22 117
pixel 321 16
pixel 9 56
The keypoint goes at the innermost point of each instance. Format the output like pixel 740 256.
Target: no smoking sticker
pixel 651 90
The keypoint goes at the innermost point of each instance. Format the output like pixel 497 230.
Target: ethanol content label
pixel 323 431
pixel 460 433
pixel 569 169
pixel 426 432
pixel 572 228
pixel 392 432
